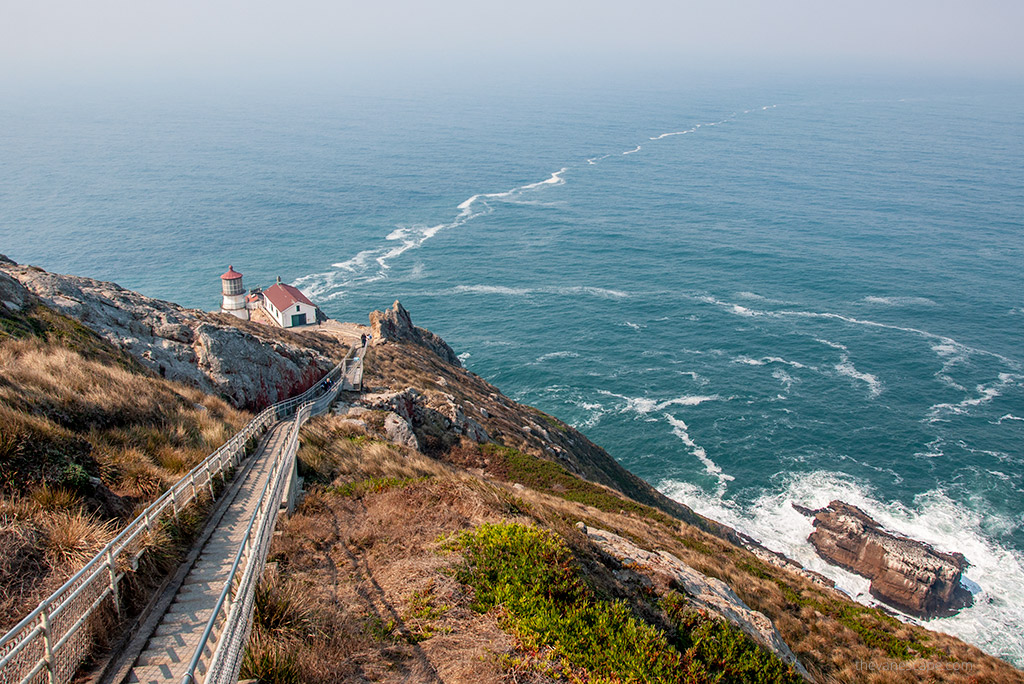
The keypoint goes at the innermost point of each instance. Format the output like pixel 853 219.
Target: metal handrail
pixel 237 597
pixel 40 641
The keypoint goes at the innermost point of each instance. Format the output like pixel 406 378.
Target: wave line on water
pixel 327 285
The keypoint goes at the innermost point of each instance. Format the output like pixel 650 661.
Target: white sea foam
pixel 329 285
pixel 601 292
pixel 917 331
pixel 492 289
pixel 681 430
pixel 557 355
pixel 830 343
pixel 733 308
pixel 646 405
pixel 669 135
pixel 985 394
pixel 934 449
pixel 996 573
pixel 845 367
pixel 463 356
pixel 785 378
pixel 901 301
pixel 946 347
pixel 1008 416
pixel 765 360
pixel 592 291
pixel 635 326
pixel 693 375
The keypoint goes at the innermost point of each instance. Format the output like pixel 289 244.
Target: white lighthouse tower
pixel 234 294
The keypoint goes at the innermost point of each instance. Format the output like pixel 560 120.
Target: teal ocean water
pixel 751 296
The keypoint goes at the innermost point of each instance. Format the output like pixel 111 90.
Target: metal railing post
pixel 51 665
pixel 112 569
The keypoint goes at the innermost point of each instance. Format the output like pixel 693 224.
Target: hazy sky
pixel 82 39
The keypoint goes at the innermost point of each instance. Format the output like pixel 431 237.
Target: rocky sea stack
pixel 906 574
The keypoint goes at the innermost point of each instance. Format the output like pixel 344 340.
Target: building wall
pixel 284 318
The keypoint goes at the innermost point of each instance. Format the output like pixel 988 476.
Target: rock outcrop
pixel 12 293
pixel 395 324
pixel 204 350
pixel 906 574
pixel 431 418
pixel 398 430
pixel 701 591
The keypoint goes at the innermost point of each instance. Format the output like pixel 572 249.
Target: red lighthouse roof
pixel 232 274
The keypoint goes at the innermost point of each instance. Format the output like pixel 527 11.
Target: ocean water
pixel 752 296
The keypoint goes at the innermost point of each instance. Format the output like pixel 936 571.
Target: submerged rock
pixel 906 574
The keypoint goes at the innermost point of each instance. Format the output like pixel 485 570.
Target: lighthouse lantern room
pixel 234 294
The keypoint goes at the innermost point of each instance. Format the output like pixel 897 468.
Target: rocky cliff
pixel 904 573
pixel 250 365
pixel 431 451
pixel 395 324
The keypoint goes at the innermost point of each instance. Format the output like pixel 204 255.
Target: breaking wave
pixel 995 576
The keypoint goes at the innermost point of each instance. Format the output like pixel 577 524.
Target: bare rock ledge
pixel 906 574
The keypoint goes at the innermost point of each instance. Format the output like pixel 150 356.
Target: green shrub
pixel 74 476
pixel 533 577
pixel 531 574
pixel 721 651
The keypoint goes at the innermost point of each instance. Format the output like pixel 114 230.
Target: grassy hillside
pixel 403 567
pixel 87 438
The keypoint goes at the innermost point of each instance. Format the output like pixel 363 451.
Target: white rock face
pixel 398 430
pixel 700 590
pixel 186 345
pixel 433 412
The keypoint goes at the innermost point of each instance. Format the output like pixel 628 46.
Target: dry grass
pixel 333 450
pixel 72 538
pixel 87 437
pixel 382 604
pixel 378 602
pixel 835 638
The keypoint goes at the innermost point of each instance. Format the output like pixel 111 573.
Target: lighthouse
pixel 234 294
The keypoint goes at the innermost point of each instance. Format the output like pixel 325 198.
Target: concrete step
pixel 207 574
pixel 174 652
pixel 153 674
pixel 201 589
pixel 194 602
pixel 181 627
pixel 185 613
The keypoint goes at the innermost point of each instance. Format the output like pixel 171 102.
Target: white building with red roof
pixel 288 306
